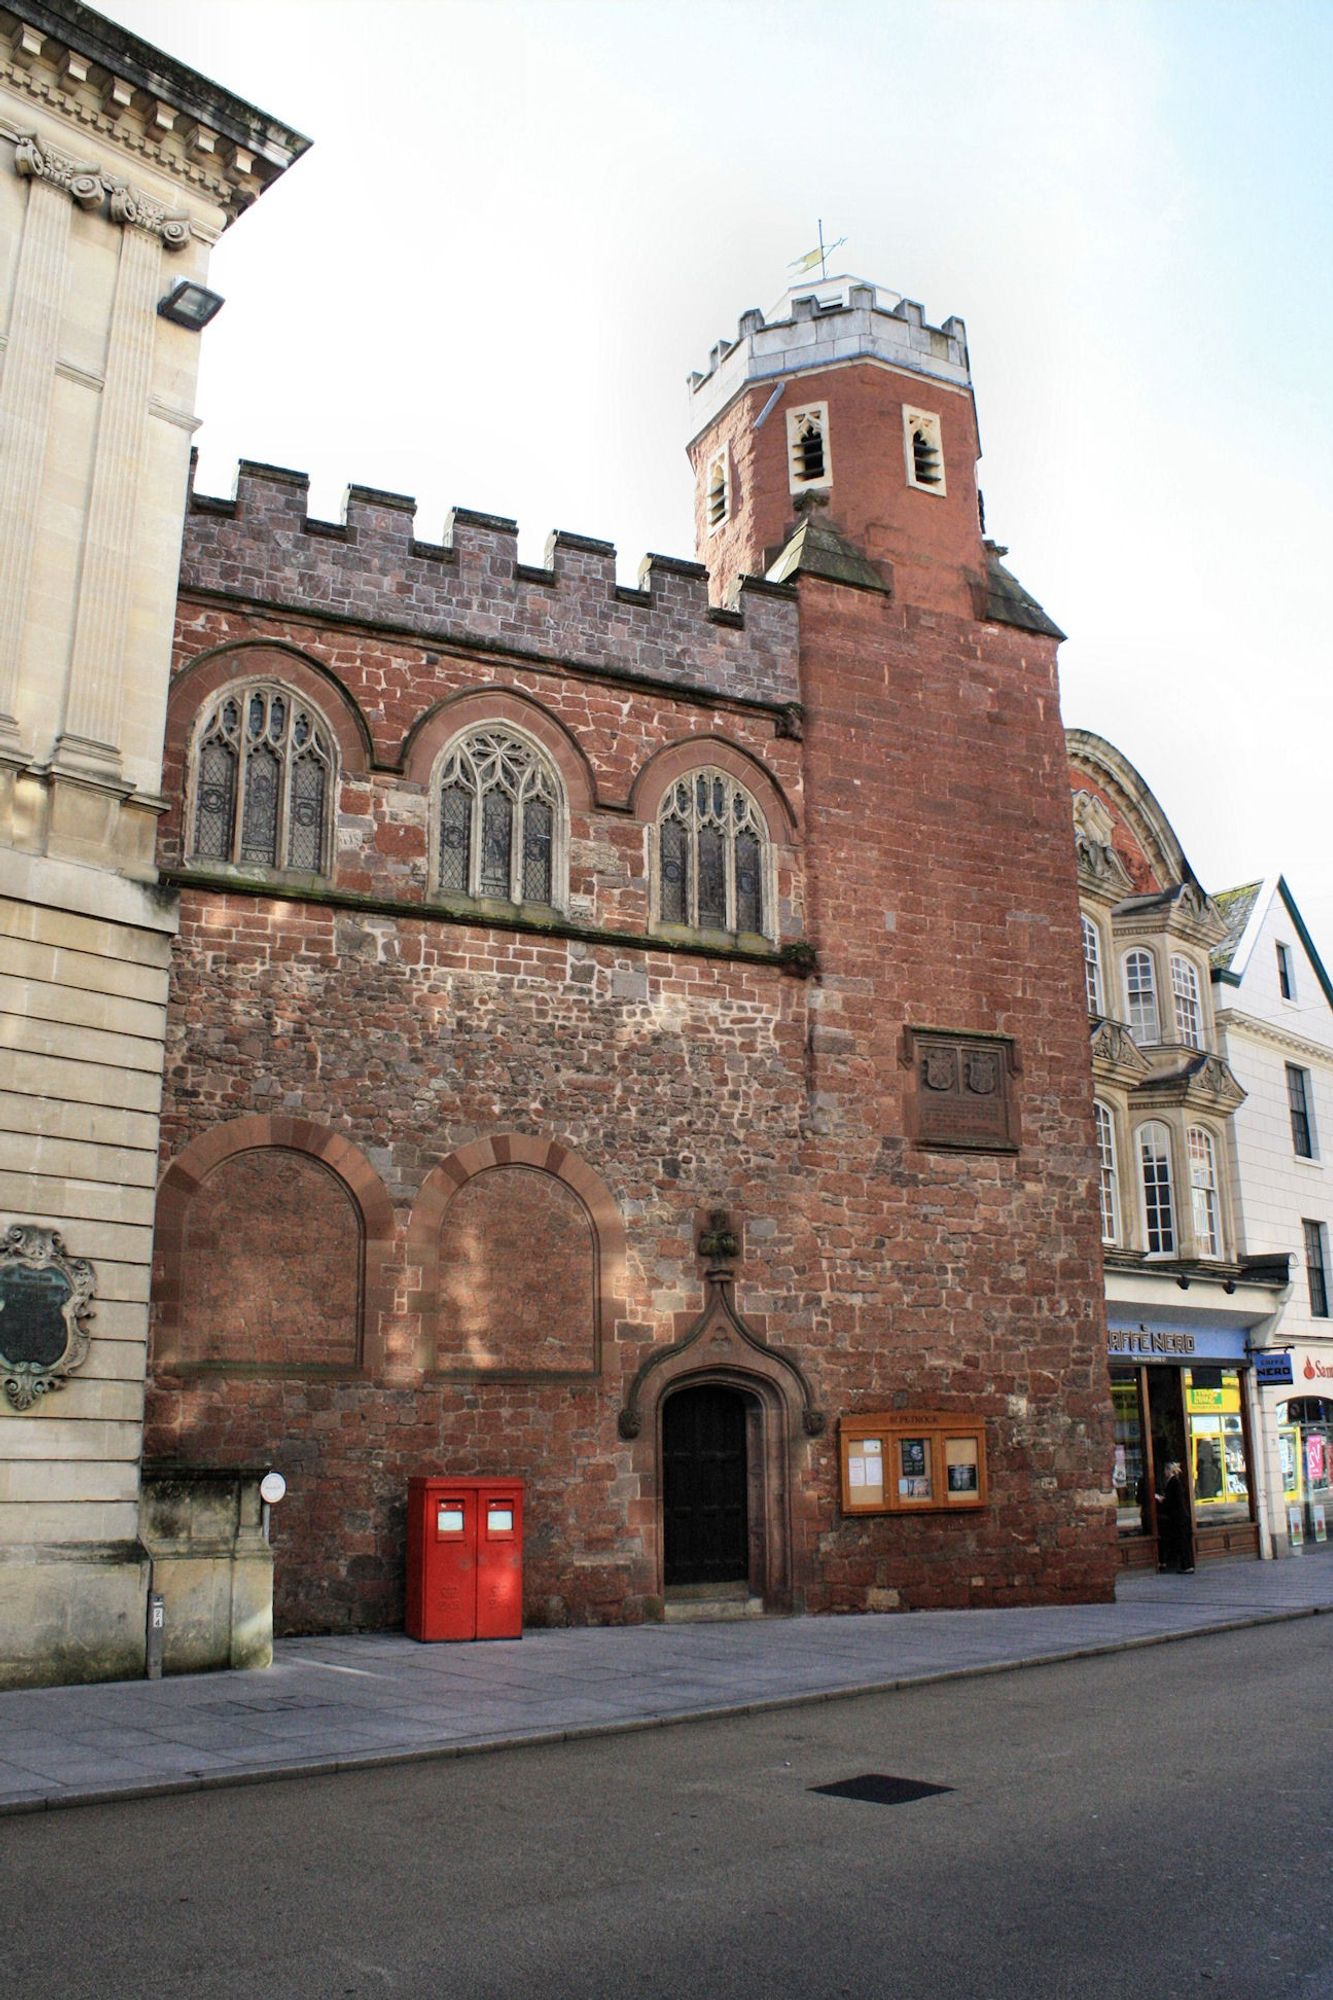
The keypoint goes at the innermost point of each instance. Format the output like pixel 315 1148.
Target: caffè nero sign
pixel 45 1302
pixel 1146 1343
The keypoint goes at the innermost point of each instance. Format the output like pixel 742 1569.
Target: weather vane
pixel 818 256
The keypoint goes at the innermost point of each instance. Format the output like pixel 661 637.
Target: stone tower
pixel 847 414
pixel 834 445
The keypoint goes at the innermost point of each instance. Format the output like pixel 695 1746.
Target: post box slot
pixel 499 1520
pixel 449 1518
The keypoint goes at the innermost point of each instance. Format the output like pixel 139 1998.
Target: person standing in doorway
pixel 1175 1528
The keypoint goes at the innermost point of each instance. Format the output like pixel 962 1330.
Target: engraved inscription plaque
pixel 962 1092
pixel 45 1297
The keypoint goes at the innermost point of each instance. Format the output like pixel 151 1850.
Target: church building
pixel 634 1039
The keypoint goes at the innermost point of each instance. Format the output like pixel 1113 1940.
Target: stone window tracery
pixel 712 856
pixel 501 820
pixel 263 782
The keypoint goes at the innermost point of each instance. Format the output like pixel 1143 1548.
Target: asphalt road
pixel 1152 1824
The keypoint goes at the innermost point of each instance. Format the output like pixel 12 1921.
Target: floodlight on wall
pixel 190 305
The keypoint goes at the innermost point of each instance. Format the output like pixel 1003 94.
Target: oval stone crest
pixel 45 1298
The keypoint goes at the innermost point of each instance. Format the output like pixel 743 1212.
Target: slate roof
pixel 1235 907
pixel 817 549
pixel 1007 603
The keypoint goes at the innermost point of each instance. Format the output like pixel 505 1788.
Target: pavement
pixel 347 1703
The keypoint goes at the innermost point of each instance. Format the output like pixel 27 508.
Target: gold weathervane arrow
pixel 819 255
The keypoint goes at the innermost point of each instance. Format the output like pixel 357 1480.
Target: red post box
pixel 464 1559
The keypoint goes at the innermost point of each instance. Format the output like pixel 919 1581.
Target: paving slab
pixel 341 1704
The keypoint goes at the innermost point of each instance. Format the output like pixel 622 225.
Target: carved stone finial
pixel 719 1243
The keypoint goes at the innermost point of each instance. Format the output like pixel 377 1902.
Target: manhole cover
pixel 878 1790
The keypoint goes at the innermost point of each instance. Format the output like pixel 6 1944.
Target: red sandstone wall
pixel 930 862
pixel 930 541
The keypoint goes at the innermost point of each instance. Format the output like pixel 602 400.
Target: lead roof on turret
pixel 817 549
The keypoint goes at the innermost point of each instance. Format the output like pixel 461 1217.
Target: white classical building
pixel 1273 1006
pixel 119 169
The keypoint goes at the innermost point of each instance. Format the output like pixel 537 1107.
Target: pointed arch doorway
pixel 762 1390
pixel 705 1486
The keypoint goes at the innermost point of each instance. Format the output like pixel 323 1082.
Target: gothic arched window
pixel 263 782
pixel 712 857
pixel 501 820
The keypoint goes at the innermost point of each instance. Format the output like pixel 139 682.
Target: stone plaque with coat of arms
pixel 962 1090
pixel 45 1302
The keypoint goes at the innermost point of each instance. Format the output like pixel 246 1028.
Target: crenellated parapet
pixel 840 320
pixel 471 589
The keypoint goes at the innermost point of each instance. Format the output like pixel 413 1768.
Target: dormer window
pixel 718 491
pixel 923 450
pixel 808 447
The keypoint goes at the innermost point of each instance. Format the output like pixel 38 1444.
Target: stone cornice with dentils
pixel 1287 1039
pixel 99 79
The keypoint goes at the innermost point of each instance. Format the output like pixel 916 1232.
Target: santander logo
pixel 1317 1371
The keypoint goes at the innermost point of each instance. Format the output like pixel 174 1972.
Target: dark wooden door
pixel 705 1515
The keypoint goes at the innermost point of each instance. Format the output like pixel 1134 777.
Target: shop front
pixel 1304 1414
pixel 1183 1396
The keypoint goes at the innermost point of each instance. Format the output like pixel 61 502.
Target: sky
pixel 523 222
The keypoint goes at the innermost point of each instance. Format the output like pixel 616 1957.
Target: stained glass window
pixel 499 807
pixel 712 857
pixel 263 783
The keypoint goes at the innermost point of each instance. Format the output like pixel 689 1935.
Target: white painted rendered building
pixel 1273 1006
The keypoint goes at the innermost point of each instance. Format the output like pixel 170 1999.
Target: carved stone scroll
pixel 45 1298
pixel 89 186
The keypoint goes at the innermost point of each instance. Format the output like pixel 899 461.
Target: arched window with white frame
pixel 1187 1004
pixel 713 857
pixel 1159 1215
pixel 1145 1021
pixel 1092 966
pixel 500 825
pixel 1109 1173
pixel 1203 1192
pixel 263 771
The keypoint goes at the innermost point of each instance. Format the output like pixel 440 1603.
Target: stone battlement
pixel 471 589
pixel 820 326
